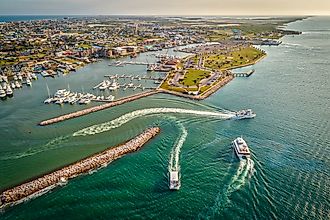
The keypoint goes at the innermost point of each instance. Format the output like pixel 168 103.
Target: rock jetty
pixel 96 108
pixel 44 183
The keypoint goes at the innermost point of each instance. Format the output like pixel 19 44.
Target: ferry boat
pixel 244 114
pixel 175 183
pixel 241 148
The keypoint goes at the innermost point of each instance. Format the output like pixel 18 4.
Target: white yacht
pixel 49 100
pixel 105 84
pixel 241 148
pixel 110 98
pixel 175 183
pixel 62 93
pixel 2 94
pixel 28 82
pixel 130 85
pixel 59 101
pixel 9 91
pixel 34 76
pixel 114 85
pixel 244 114
pixel 17 84
pixel 13 86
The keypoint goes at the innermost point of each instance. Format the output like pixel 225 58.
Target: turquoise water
pixel 289 140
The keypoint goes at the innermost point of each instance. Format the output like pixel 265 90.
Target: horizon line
pixel 166 15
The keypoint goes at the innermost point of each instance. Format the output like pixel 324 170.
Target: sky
pixel 165 7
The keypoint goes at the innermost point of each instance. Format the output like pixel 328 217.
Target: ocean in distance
pixel 289 140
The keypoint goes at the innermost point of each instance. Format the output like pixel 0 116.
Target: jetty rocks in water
pixel 97 108
pixel 42 184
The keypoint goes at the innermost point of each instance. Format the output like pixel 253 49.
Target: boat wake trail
pixel 175 154
pixel 51 145
pixel 95 129
pixel 242 175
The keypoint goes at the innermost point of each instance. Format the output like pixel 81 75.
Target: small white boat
pixel 9 91
pixel 59 101
pixel 17 84
pixel 241 148
pixel 28 82
pixel 175 183
pixel 244 114
pixel 34 76
pixel 2 94
pixel 48 101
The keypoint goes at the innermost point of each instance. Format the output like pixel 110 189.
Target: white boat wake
pixel 100 128
pixel 243 173
pixel 175 154
pixel 51 145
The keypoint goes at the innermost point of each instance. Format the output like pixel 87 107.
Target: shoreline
pixel 46 182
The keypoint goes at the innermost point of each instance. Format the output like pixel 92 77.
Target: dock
pixel 44 183
pixel 132 77
pixel 97 108
pixel 244 74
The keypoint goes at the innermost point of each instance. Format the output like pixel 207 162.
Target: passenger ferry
pixel 241 148
pixel 175 180
pixel 244 114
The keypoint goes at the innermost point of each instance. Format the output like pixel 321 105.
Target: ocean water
pixel 11 18
pixel 288 177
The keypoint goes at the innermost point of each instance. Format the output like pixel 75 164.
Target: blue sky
pixel 166 7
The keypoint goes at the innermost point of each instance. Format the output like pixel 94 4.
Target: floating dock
pixel 43 184
pixel 97 108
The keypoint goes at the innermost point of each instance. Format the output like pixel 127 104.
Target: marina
pixel 64 96
pixel 97 108
pixel 59 177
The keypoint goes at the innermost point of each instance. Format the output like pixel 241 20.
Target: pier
pixel 132 77
pixel 244 74
pixel 97 108
pixel 59 177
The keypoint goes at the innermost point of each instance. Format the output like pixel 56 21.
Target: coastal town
pixel 51 48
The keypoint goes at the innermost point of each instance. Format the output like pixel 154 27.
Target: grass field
pixel 244 56
pixel 194 76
